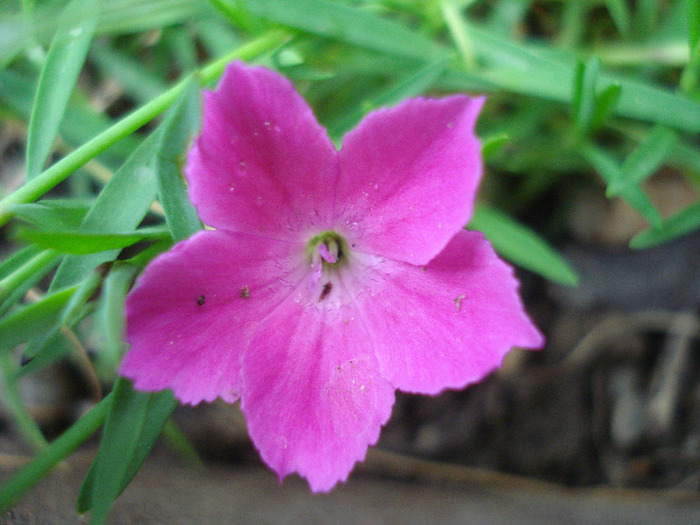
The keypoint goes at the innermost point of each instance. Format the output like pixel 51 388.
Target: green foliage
pixel 608 97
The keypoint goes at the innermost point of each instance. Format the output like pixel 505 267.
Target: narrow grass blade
pixel 121 206
pixel 619 12
pixel 177 131
pixel 29 271
pixel 135 421
pixel 57 214
pixel 13 401
pixel 18 484
pixel 83 243
pixel 684 222
pixel 348 24
pixel 584 99
pixel 24 324
pixel 58 77
pixel 643 161
pixel 522 246
pixel 609 170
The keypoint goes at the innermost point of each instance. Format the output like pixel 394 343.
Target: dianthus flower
pixel 333 277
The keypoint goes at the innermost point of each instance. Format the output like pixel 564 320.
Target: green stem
pixel 12 281
pixel 35 188
pixel 25 479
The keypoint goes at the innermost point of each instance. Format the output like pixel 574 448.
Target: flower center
pixel 327 252
pixel 328 249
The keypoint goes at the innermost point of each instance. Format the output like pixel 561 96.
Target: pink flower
pixel 332 279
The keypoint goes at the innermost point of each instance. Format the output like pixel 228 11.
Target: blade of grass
pixel 58 77
pixel 643 161
pixel 134 422
pixel 679 224
pixel 12 398
pixel 537 72
pixel 522 246
pixel 620 14
pixel 691 72
pixel 41 263
pixel 178 128
pixel 609 170
pixel 584 100
pixel 52 213
pixel 82 243
pixel 24 324
pixel 13 489
pixel 341 22
pixel 111 316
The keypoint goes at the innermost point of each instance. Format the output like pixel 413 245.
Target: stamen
pixel 329 251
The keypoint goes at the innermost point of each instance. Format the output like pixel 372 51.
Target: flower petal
pixel 193 310
pixel 408 177
pixel 262 161
pixel 448 324
pixel 312 393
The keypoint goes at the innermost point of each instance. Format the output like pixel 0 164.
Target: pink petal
pixel 408 177
pixel 193 310
pixel 312 393
pixel 445 325
pixel 262 162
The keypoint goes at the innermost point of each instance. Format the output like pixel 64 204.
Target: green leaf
pixel 643 161
pixel 121 206
pixel 620 14
pixel 81 243
pixel 177 130
pixel 584 101
pixel 691 73
pixel 693 18
pixel 610 171
pixel 493 144
pixel 522 246
pixel 17 259
pixel 64 214
pixel 605 105
pixel 111 315
pixel 13 488
pixel 43 347
pixel 16 283
pixel 58 77
pixel 135 421
pixel 14 403
pixel 80 123
pixel 344 23
pixel 542 73
pixel 682 223
pixel 24 324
